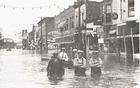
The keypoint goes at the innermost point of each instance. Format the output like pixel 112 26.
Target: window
pixel 131 9
pixel 70 23
pixel 108 13
pixel 67 24
pixel 121 45
pixel 76 21
pixel 136 44
pixel 108 8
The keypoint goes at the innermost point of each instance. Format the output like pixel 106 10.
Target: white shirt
pixel 95 62
pixel 63 56
pixel 80 62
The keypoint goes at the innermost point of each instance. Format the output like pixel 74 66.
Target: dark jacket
pixel 55 67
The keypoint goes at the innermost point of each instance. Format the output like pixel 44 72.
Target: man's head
pixel 75 50
pixel 63 49
pixel 80 53
pixel 55 54
pixel 95 54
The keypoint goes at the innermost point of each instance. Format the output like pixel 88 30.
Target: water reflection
pixel 24 69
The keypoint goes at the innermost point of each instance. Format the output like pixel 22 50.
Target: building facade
pixel 45 26
pixel 121 26
pixel 88 16
pixel 24 39
pixel 64 24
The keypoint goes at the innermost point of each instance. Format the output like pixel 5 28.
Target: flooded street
pixel 24 69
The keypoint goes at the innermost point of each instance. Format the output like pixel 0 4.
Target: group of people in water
pixel 60 60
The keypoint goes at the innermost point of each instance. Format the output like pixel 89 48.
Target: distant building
pixel 45 26
pixel 8 43
pixel 25 39
pixel 64 25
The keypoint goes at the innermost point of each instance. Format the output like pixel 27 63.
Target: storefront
pixel 128 38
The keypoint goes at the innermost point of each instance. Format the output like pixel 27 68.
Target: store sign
pixel 89 25
pixel 100 40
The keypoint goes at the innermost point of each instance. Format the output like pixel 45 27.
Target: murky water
pixel 24 69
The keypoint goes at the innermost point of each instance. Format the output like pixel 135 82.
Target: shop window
pixel 136 29
pixel 108 13
pixel 127 31
pixel 120 31
pixel 129 47
pixel 136 44
pixel 121 45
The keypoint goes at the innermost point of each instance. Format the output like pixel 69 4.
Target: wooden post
pixel 41 35
pixel 46 38
pixel 132 40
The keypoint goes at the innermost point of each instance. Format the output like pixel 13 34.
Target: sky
pixel 16 15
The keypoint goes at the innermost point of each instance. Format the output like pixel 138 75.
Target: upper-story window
pixel 108 13
pixel 67 24
pixel 76 17
pixel 72 22
pixel 131 8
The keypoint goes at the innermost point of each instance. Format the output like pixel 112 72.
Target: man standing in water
pixel 55 67
pixel 95 64
pixel 80 64
pixel 63 56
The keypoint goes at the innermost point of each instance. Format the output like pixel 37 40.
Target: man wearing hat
pixel 63 56
pixel 75 53
pixel 80 64
pixel 55 67
pixel 95 64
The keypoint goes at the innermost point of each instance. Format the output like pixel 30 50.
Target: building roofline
pixel 45 18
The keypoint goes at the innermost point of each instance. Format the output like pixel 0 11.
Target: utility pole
pixel 41 35
pixel 46 38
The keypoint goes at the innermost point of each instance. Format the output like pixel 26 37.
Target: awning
pixel 63 43
pixel 65 39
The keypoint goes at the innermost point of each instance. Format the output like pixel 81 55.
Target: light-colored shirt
pixel 63 56
pixel 95 62
pixel 80 62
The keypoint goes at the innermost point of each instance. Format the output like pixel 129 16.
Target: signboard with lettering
pixel 89 25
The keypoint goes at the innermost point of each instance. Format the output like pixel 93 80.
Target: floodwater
pixel 24 69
